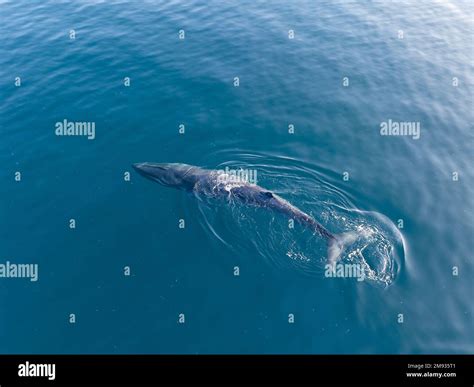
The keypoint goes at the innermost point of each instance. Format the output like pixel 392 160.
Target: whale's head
pixel 174 175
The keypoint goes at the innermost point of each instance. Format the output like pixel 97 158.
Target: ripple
pixel 378 250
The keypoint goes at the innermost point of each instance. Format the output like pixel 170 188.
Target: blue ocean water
pixel 335 71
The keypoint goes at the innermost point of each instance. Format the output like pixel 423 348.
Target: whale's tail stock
pixel 338 244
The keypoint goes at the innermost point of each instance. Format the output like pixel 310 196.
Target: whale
pixel 218 184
